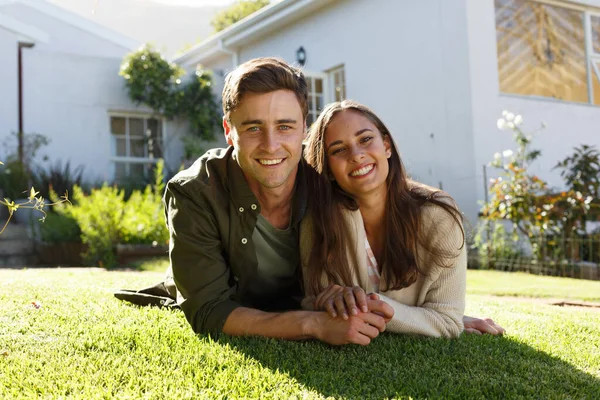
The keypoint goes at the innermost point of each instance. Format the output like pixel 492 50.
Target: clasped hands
pixel 353 316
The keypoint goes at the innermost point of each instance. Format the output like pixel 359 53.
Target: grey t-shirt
pixel 278 257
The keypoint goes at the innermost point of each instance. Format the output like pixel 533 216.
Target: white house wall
pixel 408 61
pixel 568 124
pixel 67 98
pixel 62 36
pixel 9 119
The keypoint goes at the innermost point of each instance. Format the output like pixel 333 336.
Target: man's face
pixel 266 131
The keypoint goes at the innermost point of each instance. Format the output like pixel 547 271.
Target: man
pixel 234 215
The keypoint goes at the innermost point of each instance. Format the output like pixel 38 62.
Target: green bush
pixel 14 180
pixel 107 219
pixel 60 228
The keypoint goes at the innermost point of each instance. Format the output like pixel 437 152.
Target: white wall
pixel 568 124
pixel 408 61
pixel 9 118
pixel 67 98
pixel 62 36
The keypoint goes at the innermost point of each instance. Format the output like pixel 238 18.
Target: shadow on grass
pixel 398 366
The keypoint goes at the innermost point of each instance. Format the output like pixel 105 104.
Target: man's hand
pixel 359 329
pixel 342 301
pixel 480 326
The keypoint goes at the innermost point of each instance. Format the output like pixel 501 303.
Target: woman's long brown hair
pixel 405 201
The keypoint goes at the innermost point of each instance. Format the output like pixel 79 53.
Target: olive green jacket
pixel 211 215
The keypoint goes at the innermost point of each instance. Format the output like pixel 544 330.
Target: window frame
pixel 128 160
pixel 324 76
pixel 331 72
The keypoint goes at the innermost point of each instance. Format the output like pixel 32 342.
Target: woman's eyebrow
pixel 358 133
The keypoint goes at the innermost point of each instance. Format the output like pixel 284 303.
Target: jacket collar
pixel 242 196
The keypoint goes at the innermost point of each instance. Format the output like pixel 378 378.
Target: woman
pixel 374 230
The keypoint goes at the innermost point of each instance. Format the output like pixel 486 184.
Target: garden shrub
pixel 107 219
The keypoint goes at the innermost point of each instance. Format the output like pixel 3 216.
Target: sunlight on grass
pixel 521 284
pixel 81 342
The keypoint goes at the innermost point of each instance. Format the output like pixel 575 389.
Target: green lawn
pixel 83 343
pixel 521 284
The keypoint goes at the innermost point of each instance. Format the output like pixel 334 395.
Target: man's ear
pixel 387 143
pixel 227 130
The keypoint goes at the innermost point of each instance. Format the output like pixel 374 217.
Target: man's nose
pixel 270 141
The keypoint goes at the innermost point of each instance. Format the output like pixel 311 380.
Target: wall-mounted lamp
pixel 301 56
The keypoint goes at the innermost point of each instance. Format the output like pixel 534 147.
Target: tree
pixel 236 12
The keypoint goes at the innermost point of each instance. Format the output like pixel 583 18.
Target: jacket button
pixel 241 209
pixel 253 206
pixel 244 240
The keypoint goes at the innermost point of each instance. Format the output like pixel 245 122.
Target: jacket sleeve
pixel 442 301
pixel 199 270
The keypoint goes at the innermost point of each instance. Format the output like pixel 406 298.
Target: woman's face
pixel 357 154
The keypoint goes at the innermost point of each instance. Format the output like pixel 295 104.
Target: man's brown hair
pixel 263 75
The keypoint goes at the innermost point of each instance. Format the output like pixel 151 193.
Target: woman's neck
pixel 372 208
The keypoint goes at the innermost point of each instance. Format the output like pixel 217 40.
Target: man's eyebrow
pixel 252 122
pixel 260 121
pixel 358 133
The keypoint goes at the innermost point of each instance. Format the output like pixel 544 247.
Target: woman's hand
pixel 343 301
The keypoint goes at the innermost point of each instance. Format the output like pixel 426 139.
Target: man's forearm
pixel 290 325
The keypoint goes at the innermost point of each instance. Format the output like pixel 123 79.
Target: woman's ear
pixel 387 143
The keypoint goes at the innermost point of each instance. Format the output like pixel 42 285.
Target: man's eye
pixel 253 129
pixel 285 127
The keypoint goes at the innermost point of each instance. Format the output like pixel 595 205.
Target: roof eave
pixel 251 27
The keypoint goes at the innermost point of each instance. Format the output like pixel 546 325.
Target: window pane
pixel 121 147
pixel 117 125
pixel 318 85
pixel 154 129
pixel 136 127
pixel 309 84
pixel 120 172
pixel 541 50
pixel 137 147
pixel 310 119
pixel 319 103
pixel 596 33
pixel 311 103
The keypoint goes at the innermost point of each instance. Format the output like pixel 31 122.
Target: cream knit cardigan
pixel 433 305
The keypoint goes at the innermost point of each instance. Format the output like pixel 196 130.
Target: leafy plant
pixel 581 170
pixel 517 195
pixel 60 178
pixel 60 228
pixel 106 218
pixel 151 80
pixel 236 12
pixel 14 180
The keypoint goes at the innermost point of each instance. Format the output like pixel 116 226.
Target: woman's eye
pixel 366 139
pixel 337 151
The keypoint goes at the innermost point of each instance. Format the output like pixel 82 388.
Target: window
pixel 137 144
pixel 338 82
pixel 316 96
pixel 548 50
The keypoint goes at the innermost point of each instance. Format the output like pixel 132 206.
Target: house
pixel 59 78
pixel 439 73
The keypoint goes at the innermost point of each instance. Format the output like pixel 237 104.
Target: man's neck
pixel 276 203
